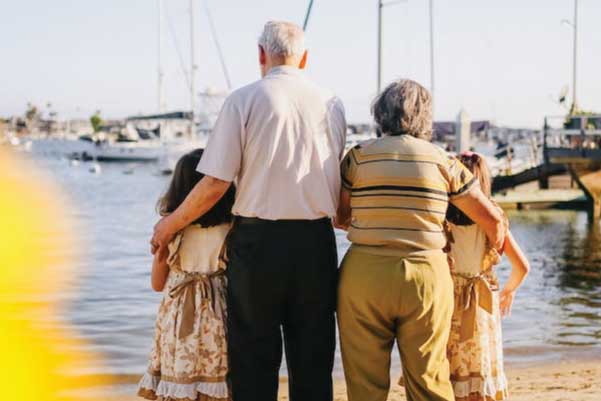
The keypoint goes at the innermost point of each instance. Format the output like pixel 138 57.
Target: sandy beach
pixel 558 381
pixel 549 381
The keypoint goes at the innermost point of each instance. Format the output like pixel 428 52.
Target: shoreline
pixel 565 379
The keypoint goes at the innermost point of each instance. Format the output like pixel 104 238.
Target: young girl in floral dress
pixel 188 361
pixel 475 348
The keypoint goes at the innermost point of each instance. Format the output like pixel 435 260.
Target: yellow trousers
pixel 383 298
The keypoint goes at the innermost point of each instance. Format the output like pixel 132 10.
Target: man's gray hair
pixel 280 38
pixel 404 107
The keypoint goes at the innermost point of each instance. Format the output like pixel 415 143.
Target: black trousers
pixel 281 279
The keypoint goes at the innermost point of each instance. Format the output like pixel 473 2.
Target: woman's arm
pixel 519 270
pixel 160 270
pixel 484 213
pixel 343 214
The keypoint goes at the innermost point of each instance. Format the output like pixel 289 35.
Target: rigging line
pixel 226 73
pixel 173 37
pixel 307 15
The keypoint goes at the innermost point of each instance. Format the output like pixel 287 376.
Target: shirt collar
pixel 284 70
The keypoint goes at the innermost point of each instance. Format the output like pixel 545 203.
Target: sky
pixel 501 60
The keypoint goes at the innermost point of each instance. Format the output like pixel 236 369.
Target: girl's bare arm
pixel 160 270
pixel 519 264
pixel 519 270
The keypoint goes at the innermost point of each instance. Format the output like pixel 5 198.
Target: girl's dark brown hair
pixel 477 165
pixel 185 177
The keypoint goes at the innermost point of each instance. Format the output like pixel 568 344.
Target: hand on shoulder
pixel 163 234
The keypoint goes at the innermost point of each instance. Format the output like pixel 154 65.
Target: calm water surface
pixel 557 312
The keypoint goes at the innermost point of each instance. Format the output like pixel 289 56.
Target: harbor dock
pixel 575 149
pixel 542 199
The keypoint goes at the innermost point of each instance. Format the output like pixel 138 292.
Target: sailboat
pixel 148 138
pixel 162 137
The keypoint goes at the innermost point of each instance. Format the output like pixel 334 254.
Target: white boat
pixel 126 151
pixel 136 151
pixel 150 138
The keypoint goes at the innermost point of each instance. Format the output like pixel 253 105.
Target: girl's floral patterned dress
pixel 188 361
pixel 475 348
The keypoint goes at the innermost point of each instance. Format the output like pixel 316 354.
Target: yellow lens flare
pixel 39 354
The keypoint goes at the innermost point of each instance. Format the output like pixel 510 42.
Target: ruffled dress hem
pixel 480 389
pixel 154 387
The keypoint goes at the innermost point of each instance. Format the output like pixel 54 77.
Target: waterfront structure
pixel 573 147
pixel 462 132
pixel 578 146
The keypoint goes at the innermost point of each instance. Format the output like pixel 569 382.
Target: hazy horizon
pixel 502 61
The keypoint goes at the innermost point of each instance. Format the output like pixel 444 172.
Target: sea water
pixel 557 312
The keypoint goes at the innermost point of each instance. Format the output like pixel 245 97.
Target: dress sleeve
pixel 348 169
pixel 460 179
pixel 223 155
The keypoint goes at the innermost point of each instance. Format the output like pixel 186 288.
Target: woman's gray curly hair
pixel 404 107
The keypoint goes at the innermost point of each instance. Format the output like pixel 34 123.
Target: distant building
pixel 444 131
pixel 81 126
pixel 3 129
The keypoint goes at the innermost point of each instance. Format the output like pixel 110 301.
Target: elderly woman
pixel 395 282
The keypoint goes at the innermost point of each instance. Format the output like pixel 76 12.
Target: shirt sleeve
pixel 338 123
pixel 348 169
pixel 460 179
pixel 223 155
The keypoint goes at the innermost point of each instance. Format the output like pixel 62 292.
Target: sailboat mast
pixel 575 58
pixel 193 66
pixel 307 15
pixel 160 89
pixel 379 71
pixel 432 53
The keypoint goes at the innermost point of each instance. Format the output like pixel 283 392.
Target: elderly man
pixel 281 138
pixel 395 282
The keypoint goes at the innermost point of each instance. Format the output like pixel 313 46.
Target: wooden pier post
pixel 462 132
pixel 543 181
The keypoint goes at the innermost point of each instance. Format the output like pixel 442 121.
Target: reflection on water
pixel 560 303
pixel 111 304
pixel 580 277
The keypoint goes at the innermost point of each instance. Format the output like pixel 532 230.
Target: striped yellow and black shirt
pixel 400 188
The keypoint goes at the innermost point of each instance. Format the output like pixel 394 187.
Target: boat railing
pixel 575 137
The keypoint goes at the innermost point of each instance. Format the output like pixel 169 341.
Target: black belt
pixel 241 220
